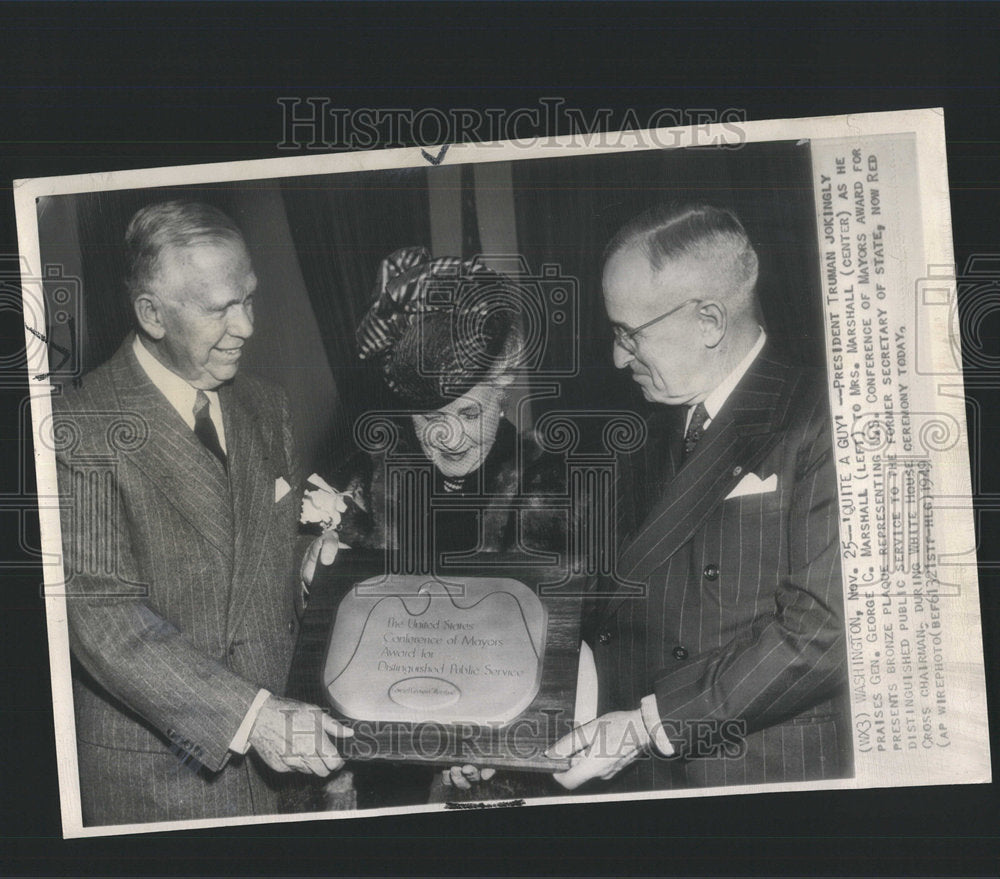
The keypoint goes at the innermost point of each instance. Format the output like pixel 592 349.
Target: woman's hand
pixel 323 550
pixel 322 505
pixel 463 777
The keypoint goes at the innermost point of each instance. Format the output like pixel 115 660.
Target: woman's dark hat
pixel 439 327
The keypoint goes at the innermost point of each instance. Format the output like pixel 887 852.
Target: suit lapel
pixel 648 470
pixel 251 477
pixel 174 459
pixel 744 431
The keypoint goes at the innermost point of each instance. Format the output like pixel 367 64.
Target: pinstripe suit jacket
pixel 180 594
pixel 741 621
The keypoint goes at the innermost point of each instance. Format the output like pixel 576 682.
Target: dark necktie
pixel 695 429
pixel 204 429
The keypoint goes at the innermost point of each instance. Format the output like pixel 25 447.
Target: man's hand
pixel 600 748
pixel 463 777
pixel 293 736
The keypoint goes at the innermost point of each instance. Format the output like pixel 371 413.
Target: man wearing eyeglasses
pixel 729 668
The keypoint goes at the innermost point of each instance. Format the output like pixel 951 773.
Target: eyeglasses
pixel 626 338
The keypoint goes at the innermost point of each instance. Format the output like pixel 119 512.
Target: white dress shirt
pixel 713 402
pixel 178 392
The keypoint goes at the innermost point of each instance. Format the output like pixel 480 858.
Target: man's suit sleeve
pixel 791 656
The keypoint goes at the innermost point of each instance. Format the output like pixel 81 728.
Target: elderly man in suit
pixel 731 660
pixel 181 589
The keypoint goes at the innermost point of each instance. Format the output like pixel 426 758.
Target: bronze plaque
pixel 477 664
pixel 417 648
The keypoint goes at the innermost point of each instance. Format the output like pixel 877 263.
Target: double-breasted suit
pixel 180 591
pixel 738 628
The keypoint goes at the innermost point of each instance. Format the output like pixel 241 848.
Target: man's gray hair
pixel 171 224
pixel 672 231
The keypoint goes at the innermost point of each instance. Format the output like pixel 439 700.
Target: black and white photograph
pixel 499 438
pixel 508 474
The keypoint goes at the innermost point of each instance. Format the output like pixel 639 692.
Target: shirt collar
pixel 178 392
pixel 714 401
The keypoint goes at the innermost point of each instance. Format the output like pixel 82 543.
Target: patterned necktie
pixel 204 429
pixel 695 429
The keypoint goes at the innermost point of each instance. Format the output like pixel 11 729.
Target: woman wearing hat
pixel 447 339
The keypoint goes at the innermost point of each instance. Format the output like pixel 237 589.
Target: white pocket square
pixel 753 484
pixel 281 488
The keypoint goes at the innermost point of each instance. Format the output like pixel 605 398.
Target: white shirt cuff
pixel 586 687
pixel 241 741
pixel 654 726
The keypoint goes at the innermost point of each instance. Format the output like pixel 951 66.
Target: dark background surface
pixel 87 88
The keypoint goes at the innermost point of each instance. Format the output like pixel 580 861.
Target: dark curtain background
pixel 318 242
pixel 568 208
pixel 343 226
pixel 86 232
pixel 102 218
